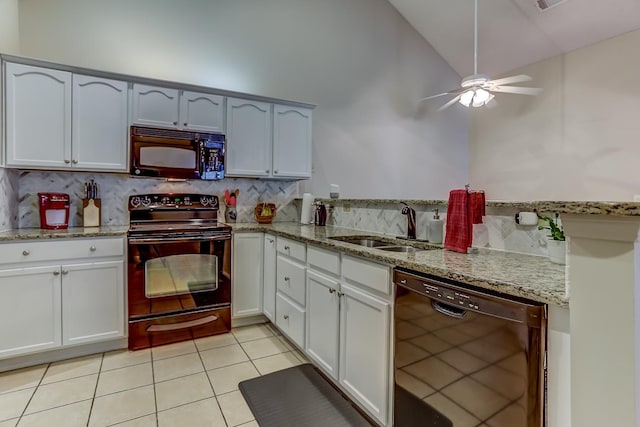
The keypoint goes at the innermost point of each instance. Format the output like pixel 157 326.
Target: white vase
pixel 557 251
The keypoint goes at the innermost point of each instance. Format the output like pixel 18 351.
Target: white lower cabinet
pixel 30 304
pixel 93 295
pixel 269 277
pixel 51 298
pixel 365 323
pixel 290 318
pixel 246 287
pixel 323 317
pixel 349 326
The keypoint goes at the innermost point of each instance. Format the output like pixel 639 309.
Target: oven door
pixel 176 275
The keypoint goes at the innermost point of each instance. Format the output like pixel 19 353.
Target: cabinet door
pixel 201 111
pixel 30 302
pixel 248 138
pixel 155 106
pixel 364 349
pixel 322 321
pixel 291 142
pixel 269 277
pixel 38 116
pixel 246 285
pixel 93 302
pixel 100 124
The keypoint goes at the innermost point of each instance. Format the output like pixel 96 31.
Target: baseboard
pixel 251 320
pixel 61 354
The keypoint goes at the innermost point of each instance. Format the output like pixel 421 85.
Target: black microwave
pixel 177 154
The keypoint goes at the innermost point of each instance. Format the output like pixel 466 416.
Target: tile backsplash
pixel 115 190
pixel 8 207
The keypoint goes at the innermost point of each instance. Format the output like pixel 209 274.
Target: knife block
pixel 91 212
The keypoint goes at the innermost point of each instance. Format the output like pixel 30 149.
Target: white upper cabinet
pixel 99 137
pixel 38 116
pixel 266 140
pixel 248 138
pixel 172 108
pixel 291 142
pixel 201 111
pixel 42 104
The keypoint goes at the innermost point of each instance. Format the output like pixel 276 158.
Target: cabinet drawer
pixel 367 274
pixel 295 250
pixel 33 251
pixel 322 259
pixel 290 319
pixel 290 279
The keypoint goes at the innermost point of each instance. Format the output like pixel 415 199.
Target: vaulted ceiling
pixel 514 33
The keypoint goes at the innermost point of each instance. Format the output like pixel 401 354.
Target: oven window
pixel 180 274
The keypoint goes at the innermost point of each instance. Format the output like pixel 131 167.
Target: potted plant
pixel 557 245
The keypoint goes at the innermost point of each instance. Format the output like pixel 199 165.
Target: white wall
pixel 358 60
pixel 578 140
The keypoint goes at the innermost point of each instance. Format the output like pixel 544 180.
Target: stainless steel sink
pixel 403 249
pixel 383 245
pixel 362 241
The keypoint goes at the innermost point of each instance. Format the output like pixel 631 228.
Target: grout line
pixel 153 380
pixel 95 389
pixel 34 393
pixel 215 397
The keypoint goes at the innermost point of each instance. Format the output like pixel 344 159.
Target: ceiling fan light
pixel 467 97
pixel 481 97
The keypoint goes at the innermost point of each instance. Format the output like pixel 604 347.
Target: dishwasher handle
pixel 448 310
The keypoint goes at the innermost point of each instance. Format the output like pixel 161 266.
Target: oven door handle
pixel 156 240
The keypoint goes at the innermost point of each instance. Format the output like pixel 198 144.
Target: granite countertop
pixel 527 276
pixel 36 233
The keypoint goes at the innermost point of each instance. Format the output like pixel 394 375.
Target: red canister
pixel 54 210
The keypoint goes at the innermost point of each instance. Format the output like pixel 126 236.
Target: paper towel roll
pixel 306 216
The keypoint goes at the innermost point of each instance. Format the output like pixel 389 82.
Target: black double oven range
pixel 179 269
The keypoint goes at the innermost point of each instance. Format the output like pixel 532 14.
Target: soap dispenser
pixel 435 228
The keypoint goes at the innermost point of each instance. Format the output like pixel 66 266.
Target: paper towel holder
pixel 526 218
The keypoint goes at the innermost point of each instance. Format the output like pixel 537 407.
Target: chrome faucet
pixel 411 220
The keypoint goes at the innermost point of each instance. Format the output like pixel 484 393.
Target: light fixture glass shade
pixel 475 97
pixel 466 97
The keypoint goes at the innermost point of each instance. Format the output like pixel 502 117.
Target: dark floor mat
pixel 299 397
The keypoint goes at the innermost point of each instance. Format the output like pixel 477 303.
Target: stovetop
pixel 174 213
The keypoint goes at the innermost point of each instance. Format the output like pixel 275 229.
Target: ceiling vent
pixel 544 5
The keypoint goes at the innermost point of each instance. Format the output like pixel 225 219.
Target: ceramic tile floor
pixel 192 383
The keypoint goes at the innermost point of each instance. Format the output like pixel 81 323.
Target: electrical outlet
pixel 346 207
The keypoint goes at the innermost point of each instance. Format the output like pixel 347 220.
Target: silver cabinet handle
pixel 286 248
pixel 287 278
pixel 185 123
pixel 267 171
pixel 67 161
pixel 26 252
pixel 331 290
pixel 65 272
pixel 286 317
pixel 270 240
pixel 56 273
pixel 275 171
pixel 340 294
pixel 74 161
pixel 92 248
pixel 175 123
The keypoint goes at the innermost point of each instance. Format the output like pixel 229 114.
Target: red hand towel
pixel 476 208
pixel 458 237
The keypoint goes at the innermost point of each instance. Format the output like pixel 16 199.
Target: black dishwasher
pixel 466 357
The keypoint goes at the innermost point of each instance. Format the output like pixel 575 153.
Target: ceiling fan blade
pixel 508 80
pixel 451 92
pixel 449 104
pixel 517 90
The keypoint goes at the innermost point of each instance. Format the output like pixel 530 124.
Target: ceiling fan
pixel 478 89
